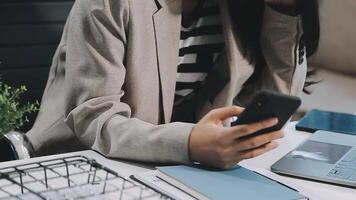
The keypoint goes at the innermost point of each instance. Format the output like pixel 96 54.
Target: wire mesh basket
pixel 75 177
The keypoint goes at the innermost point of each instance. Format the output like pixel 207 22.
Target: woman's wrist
pixel 21 146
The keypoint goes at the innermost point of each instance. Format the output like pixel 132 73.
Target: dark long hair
pixel 247 15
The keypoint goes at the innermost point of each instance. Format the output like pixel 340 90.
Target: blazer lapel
pixel 239 67
pixel 167 22
pixel 228 75
pixel 230 72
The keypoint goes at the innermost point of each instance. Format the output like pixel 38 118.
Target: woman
pixel 155 80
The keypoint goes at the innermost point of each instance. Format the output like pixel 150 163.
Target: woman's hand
pixel 289 7
pixel 214 145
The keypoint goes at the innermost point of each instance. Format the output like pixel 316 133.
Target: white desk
pixel 314 190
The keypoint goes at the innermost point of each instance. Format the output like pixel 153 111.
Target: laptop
pixel 326 156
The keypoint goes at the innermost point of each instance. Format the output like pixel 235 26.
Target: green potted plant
pixel 12 116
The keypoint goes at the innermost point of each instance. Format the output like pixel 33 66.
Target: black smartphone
pixel 328 121
pixel 268 104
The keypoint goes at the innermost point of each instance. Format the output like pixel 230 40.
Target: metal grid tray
pixel 74 177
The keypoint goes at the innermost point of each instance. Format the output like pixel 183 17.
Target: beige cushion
pixel 337 50
pixel 335 93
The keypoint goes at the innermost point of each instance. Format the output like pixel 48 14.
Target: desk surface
pixel 314 190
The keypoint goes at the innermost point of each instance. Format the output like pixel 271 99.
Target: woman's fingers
pixel 225 113
pixel 254 142
pixel 259 151
pixel 248 129
pixel 236 158
pixel 249 148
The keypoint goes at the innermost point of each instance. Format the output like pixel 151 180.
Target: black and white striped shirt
pixel 200 43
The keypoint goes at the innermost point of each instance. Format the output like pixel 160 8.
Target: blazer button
pixel 301 52
pixel 301 60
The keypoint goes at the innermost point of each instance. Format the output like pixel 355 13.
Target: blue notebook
pixel 237 183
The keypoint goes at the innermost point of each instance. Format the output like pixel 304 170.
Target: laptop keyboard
pixel 345 168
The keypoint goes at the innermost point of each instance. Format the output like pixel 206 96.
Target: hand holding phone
pixel 213 144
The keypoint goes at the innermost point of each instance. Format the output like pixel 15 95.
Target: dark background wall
pixel 30 31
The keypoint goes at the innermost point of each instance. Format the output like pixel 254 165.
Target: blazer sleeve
pixel 284 51
pixel 95 75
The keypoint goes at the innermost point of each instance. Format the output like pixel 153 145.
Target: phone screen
pixel 328 121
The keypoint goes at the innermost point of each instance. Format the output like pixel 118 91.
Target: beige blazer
pixel 112 82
